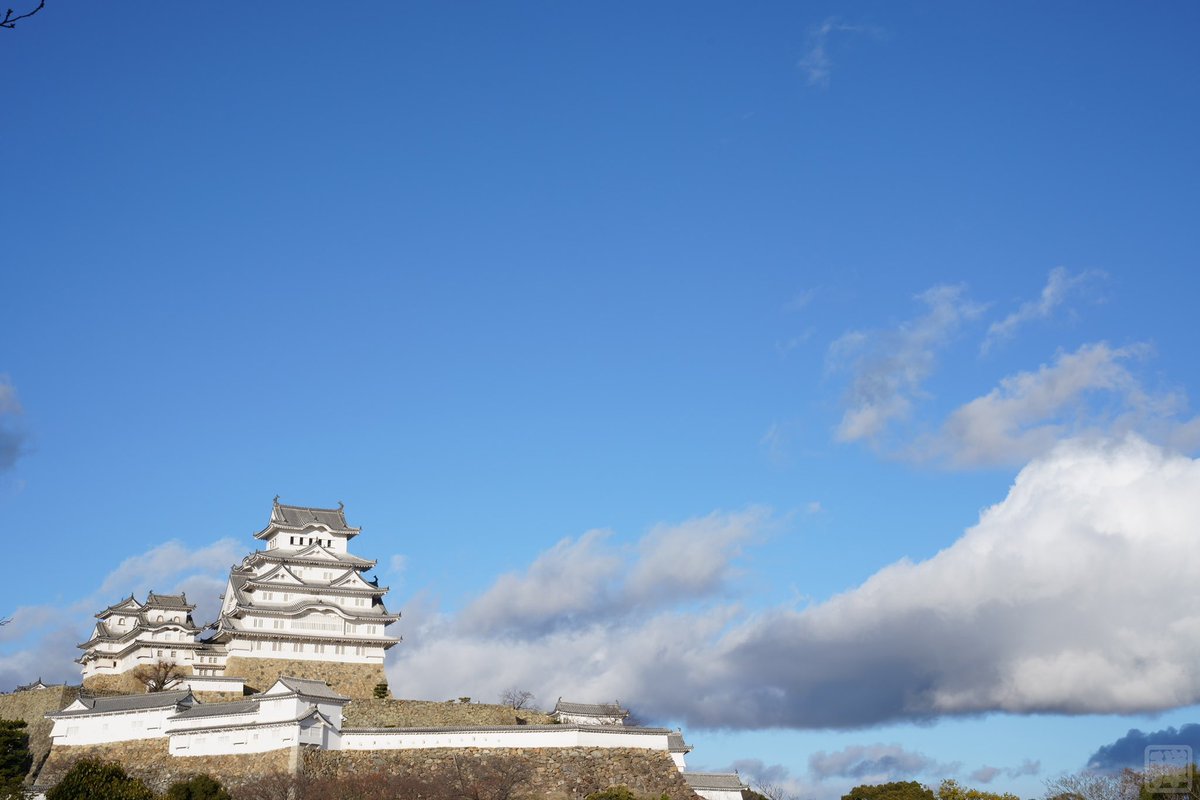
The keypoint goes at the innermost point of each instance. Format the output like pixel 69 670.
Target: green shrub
pixel 197 787
pixel 91 778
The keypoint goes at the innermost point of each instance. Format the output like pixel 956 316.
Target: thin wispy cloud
pixel 817 63
pixel 12 430
pixel 1091 391
pixel 1059 285
pixel 888 368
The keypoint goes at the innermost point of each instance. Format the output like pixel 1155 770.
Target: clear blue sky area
pixel 777 298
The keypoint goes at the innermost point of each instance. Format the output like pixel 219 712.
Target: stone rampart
pixel 149 760
pixel 372 713
pixel 32 706
pixel 122 683
pixel 566 773
pixel 353 680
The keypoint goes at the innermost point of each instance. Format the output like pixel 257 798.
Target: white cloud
pixel 874 763
pixel 816 63
pixel 888 368
pixel 1059 284
pixel 1087 392
pixel 1057 601
pixel 586 579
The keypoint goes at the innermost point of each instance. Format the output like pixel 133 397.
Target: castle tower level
pixel 302 606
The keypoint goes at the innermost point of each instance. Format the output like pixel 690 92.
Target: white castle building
pixel 301 606
pixel 131 634
pixel 304 598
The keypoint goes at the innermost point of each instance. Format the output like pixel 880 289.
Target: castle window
pixel 172 654
pixel 158 654
pixel 297 647
pixel 160 618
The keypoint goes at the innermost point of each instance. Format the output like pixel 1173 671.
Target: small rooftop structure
pixel 716 785
pixel 589 713
pixel 36 685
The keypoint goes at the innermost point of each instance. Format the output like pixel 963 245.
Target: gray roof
pixel 590 709
pixel 676 744
pixel 310 688
pixel 127 702
pixel 178 601
pixel 303 516
pixel 218 709
pixel 729 781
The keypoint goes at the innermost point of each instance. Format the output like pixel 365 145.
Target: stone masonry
pixel 564 773
pixel 353 680
pixel 149 760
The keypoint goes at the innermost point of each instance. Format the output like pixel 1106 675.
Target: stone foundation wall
pixel 566 773
pixel 122 683
pixel 32 706
pixel 149 760
pixel 374 713
pixel 353 680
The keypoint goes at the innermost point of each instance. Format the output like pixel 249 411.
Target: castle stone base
pixel 356 681
pixel 124 683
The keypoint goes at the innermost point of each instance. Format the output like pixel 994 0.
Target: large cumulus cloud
pixel 1068 596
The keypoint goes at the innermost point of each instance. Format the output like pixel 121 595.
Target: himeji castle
pixel 301 633
pixel 300 606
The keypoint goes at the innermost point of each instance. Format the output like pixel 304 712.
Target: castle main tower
pixel 302 607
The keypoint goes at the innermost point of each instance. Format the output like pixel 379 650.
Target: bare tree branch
pixel 10 21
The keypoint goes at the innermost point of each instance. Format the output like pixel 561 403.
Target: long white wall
pixel 523 736
pixel 111 727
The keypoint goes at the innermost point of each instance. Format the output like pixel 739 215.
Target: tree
pixel 91 778
pixel 896 790
pixel 380 692
pixel 515 698
pixel 197 787
pixel 159 676
pixel 1125 785
pixel 10 21
pixel 15 758
pixel 953 790
pixel 769 791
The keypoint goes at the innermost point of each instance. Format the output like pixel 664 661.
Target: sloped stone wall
pixel 569 773
pixel 372 713
pixel 32 706
pixel 149 760
pixel 123 683
pixel 352 680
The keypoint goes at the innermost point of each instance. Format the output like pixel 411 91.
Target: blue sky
pixel 668 350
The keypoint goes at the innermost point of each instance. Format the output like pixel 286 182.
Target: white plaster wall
pixel 719 794
pixel 520 737
pixel 116 727
pixel 227 741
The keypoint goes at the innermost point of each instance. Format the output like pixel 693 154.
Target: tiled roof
pixel 729 781
pixel 303 516
pixel 218 709
pixel 126 702
pixel 178 601
pixel 676 744
pixel 590 709
pixel 310 688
